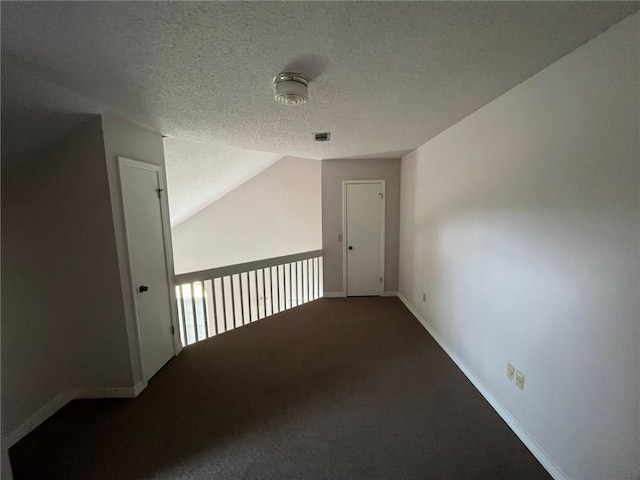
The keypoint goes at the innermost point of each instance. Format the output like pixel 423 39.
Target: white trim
pixel 168 260
pixel 344 238
pixel 341 294
pixel 120 392
pixel 333 294
pixel 48 409
pixel 383 183
pixel 138 164
pixel 127 162
pixel 383 235
pixel 217 272
pixel 138 388
pixel 61 399
pixel 522 434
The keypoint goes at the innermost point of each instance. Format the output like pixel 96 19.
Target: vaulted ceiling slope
pixel 201 173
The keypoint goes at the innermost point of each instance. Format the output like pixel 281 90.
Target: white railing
pixel 220 299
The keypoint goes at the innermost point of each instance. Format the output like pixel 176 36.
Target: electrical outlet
pixel 511 371
pixel 424 297
pixel 519 379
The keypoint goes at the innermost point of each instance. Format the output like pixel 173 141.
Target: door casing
pixel 123 163
pixel 344 232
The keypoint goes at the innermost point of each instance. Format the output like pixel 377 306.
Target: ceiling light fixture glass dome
pixel 291 89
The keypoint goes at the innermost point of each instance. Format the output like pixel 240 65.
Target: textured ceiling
pixel 36 112
pixel 385 76
pixel 201 173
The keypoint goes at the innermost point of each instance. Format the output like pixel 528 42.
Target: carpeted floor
pixel 335 389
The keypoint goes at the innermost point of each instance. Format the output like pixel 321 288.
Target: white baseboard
pixel 61 399
pixel 121 392
pixel 333 294
pixel 48 409
pixel 139 387
pixel 341 294
pixel 528 441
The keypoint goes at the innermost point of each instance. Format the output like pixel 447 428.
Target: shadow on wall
pixel 18 151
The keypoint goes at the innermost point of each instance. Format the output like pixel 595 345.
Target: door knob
pixel 143 288
pixel 350 247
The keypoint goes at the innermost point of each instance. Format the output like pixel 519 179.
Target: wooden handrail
pixel 202 275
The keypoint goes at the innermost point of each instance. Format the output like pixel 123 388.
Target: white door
pixel 364 237
pixel 141 189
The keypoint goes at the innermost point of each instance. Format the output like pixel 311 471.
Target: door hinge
pixel 173 330
pixel 381 195
pixel 380 279
pixel 159 190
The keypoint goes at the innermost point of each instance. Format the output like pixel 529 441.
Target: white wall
pixel 61 300
pixel 275 213
pixel 123 138
pixel 521 224
pixel 333 173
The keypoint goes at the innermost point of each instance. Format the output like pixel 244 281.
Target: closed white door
pixel 141 191
pixel 364 237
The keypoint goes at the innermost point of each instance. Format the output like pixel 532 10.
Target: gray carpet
pixel 335 389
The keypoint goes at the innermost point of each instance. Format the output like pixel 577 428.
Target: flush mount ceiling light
pixel 291 88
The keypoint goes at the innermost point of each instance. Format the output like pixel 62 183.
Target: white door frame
pixel 344 231
pixel 166 234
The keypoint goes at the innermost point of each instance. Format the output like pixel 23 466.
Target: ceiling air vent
pixel 322 136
